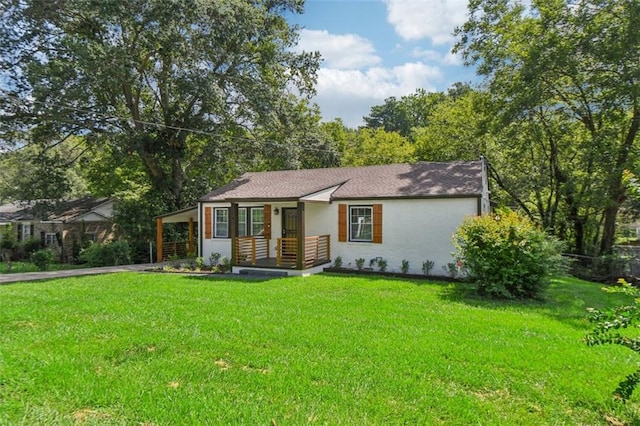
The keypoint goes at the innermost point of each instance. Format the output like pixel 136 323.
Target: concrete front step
pixel 263 273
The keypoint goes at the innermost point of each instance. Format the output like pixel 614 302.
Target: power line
pixel 107 117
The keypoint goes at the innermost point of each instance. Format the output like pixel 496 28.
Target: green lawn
pixel 161 349
pixel 20 267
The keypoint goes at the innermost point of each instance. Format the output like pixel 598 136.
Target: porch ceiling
pixel 180 216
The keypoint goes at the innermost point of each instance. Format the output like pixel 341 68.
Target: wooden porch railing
pixel 255 251
pixel 175 248
pixel 316 249
pixel 286 251
pixel 250 249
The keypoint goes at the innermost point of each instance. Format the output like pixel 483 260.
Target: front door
pixel 289 230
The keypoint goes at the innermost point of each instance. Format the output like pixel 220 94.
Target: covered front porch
pixel 179 249
pixel 289 254
pixel 293 250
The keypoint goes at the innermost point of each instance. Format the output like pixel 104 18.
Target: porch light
pixel 276 211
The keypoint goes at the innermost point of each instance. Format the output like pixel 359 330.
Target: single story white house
pixel 300 221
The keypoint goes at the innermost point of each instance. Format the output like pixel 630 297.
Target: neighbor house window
pixel 221 223
pixel 26 232
pixel 90 236
pixel 361 223
pixel 50 239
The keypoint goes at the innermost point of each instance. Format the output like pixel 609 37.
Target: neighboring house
pixel 63 225
pixel 301 220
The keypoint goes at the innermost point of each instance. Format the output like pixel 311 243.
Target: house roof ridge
pixel 419 179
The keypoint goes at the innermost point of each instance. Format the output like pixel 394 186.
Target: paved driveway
pixel 31 276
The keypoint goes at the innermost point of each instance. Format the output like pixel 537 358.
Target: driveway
pixel 32 276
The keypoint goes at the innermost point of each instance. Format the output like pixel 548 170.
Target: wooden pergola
pixel 188 215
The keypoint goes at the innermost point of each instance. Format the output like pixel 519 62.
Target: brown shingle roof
pixel 386 181
pixel 62 211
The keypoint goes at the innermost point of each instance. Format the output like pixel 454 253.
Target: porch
pixel 289 254
pixel 179 249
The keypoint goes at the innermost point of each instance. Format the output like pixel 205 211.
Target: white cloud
pixel 341 51
pixel 433 19
pixel 350 94
pixel 446 58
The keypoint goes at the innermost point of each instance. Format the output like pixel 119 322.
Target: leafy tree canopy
pixel 376 146
pixel 576 62
pixel 174 84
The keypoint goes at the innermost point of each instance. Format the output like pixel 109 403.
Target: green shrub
pixel 609 324
pixel 427 266
pixel 31 246
pixel 214 259
pixel 225 265
pixel 359 263
pixel 405 266
pixel 382 265
pixel 337 262
pixel 43 258
pixel 107 254
pixel 506 255
pixel 200 263
pixel 8 244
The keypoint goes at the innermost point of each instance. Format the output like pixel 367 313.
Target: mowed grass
pixel 21 267
pixel 160 349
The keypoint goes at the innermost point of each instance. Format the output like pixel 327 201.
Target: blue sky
pixel 374 49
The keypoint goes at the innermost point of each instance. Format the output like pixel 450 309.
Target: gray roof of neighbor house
pixel 463 178
pixel 61 211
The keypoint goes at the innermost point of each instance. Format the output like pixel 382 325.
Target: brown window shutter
pixel 377 223
pixel 207 222
pixel 342 222
pixel 267 221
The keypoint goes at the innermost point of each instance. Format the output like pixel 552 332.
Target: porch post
pixel 233 230
pixel 159 239
pixel 191 235
pixel 300 235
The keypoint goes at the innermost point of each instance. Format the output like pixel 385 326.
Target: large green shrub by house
pixel 507 255
pixel 107 254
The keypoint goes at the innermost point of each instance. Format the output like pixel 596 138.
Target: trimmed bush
pixel 43 258
pixel 507 255
pixel 107 254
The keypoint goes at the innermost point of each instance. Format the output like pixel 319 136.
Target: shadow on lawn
pixel 566 299
pixel 231 277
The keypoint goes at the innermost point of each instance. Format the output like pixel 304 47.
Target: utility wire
pixel 18 101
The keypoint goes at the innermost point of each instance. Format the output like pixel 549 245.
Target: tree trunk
pixel 616 187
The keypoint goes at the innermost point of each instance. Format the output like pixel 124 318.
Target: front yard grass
pixel 158 349
pixel 21 267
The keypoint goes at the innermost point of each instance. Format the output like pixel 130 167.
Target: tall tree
pixel 455 128
pixel 402 115
pixel 139 76
pixel 375 146
pixel 578 59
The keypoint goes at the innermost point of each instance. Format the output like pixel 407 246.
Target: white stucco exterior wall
pixel 413 229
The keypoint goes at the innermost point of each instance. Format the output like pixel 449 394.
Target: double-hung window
pixel 250 222
pixel 361 223
pixel 50 239
pixel 221 223
pixel 242 222
pixel 257 221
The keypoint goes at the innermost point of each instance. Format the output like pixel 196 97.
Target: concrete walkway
pixel 47 275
